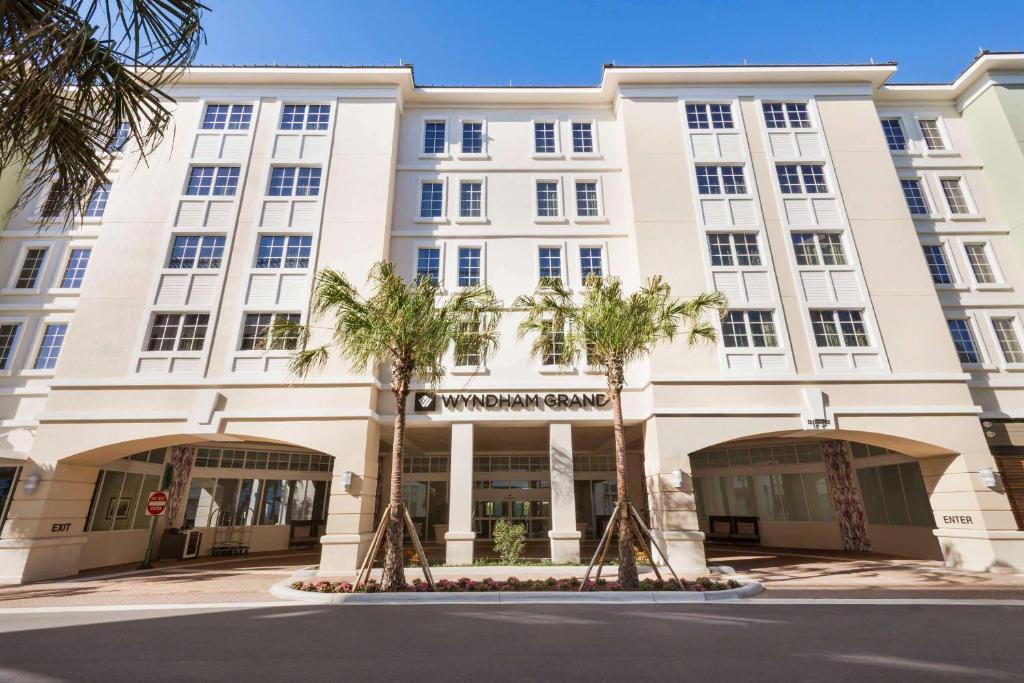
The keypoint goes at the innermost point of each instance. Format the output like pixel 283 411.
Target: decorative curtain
pixel 182 459
pixel 843 490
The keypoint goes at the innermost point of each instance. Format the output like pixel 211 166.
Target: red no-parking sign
pixel 156 505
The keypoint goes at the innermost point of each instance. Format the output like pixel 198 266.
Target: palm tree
pixel 79 75
pixel 612 330
pixel 408 328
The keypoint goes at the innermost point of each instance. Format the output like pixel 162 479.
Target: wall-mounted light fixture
pixel 677 478
pixel 346 480
pixel 988 477
pixel 32 482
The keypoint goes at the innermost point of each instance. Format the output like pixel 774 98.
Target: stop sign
pixel 156 505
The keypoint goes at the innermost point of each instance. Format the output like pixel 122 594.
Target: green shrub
pixel 509 540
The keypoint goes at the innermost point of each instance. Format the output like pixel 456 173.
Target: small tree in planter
pixel 509 540
pixel 407 327
pixel 612 329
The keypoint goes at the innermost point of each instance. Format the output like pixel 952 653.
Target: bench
pixel 733 529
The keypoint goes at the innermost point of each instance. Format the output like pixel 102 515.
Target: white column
pixel 460 535
pixel 565 539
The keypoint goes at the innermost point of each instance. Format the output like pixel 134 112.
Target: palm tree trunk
pixel 628 577
pixel 394 558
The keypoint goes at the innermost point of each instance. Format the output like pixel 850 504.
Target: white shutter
pixel 313 147
pixel 757 286
pixel 782 145
pixel 218 214
pixel 172 290
pixel 729 146
pixel 262 290
pixel 235 147
pixel 293 291
pixel 286 147
pixel 185 366
pixel 190 214
pixel 703 146
pixel 742 211
pixel 275 214
pixel 206 147
pixel 809 145
pixel 728 283
pixel 203 290
pixel 303 214
pixel 847 287
pixel 152 366
pixel 816 286
pixel 826 212
pixel 798 211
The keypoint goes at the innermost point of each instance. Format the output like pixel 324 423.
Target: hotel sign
pixel 426 401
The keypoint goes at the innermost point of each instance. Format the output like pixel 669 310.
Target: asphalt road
pixel 791 642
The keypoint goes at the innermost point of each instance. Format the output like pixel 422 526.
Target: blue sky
pixel 552 43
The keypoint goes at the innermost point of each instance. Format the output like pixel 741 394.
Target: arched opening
pixel 816 491
pixel 234 496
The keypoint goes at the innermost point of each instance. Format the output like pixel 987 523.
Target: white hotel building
pixel 863 395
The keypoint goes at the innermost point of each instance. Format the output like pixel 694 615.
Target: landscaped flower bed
pixel 467 585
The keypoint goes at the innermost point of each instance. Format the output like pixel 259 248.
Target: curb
pixel 283 590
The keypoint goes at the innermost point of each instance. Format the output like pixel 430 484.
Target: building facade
pixel 863 394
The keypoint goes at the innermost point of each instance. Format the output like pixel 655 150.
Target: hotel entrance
pixel 512 487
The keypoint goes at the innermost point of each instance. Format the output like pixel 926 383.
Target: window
pixel 8 337
pixel 471 194
pixel 745 329
pixel 215 180
pixel 582 137
pixel 554 345
pixel 932 134
pixel 935 257
pixel 257 332
pixel 586 199
pixel 472 137
pixel 914 194
pixel 839 328
pixel 981 266
pixel 550 265
pixel 197 251
pixel 31 267
pixel 719 179
pixel 227 116
pixel 801 178
pixel 469 266
pixel 98 201
pixel 963 340
pixel 544 138
pixel 298 181
pixel 428 264
pixel 49 347
pixel 467 345
pixel 1009 342
pixel 547 199
pixel 305 116
pixel 178 332
pixel 119 138
pixel 434 137
pixel 953 190
pixel 818 248
pixel 284 251
pixel 704 116
pixel 432 199
pixel 894 136
pixel 74 271
pixel 591 263
pixel 786 115
pixel 734 249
